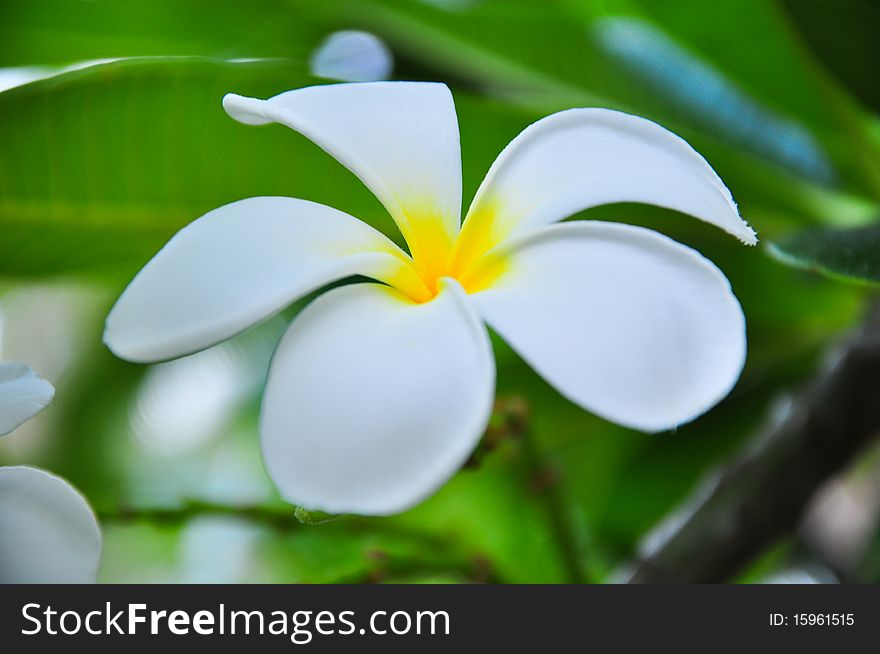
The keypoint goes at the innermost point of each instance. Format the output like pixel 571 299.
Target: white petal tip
pixel 746 234
pixel 117 345
pixel 23 394
pixel 118 352
pixel 245 110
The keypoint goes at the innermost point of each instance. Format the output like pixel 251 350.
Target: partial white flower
pixel 379 391
pixel 352 56
pixel 48 533
pixel 23 394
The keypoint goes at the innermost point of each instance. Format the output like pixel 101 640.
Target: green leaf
pixel 99 167
pixel 56 32
pixel 851 255
pixel 312 517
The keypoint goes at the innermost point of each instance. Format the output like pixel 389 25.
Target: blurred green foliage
pixel 99 166
pixel 843 34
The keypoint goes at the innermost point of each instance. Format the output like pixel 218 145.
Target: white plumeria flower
pixel 48 533
pixel 378 392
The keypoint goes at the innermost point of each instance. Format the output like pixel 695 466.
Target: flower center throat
pixel 466 257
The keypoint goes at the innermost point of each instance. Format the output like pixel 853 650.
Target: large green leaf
pixel 685 67
pixel 851 255
pixel 101 166
pixel 57 32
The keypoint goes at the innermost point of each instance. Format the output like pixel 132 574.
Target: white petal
pixel 48 533
pixel 237 265
pixel 400 138
pixel 625 322
pixel 581 158
pixel 373 402
pixel 23 394
pixel 352 56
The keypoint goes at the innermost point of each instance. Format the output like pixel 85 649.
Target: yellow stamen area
pixel 437 254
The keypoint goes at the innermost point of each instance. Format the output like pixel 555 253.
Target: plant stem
pixel 444 555
pixel 545 482
pixel 276 517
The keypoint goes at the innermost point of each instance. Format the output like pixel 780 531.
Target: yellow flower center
pixel 467 257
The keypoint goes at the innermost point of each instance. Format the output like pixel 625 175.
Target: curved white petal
pixel 400 138
pixel 23 394
pixel 48 533
pixel 352 56
pixel 373 402
pixel 237 265
pixel 625 322
pixel 581 158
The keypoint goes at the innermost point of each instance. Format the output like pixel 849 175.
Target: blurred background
pixel 112 137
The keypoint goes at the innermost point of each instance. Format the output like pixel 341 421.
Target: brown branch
pixel 740 510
